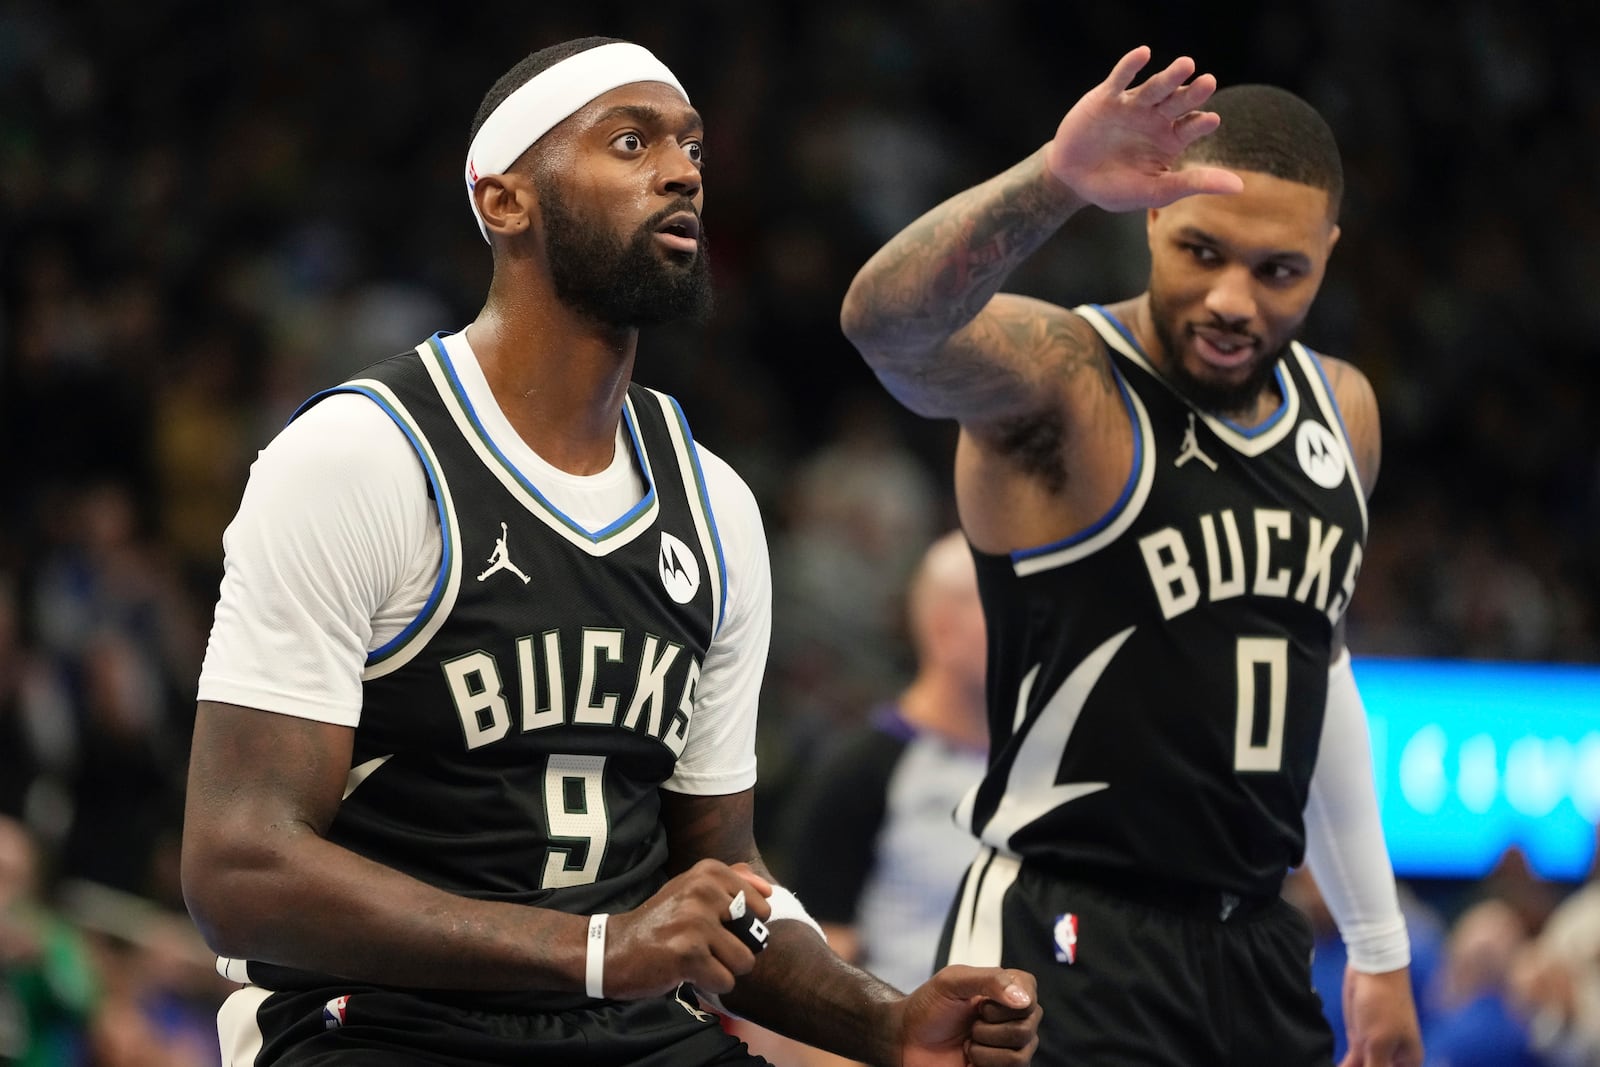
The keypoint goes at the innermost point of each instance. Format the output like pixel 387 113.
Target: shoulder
pixel 733 504
pixel 1358 407
pixel 344 459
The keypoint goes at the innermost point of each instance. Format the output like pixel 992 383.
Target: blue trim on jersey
pixel 1277 416
pixel 1283 393
pixel 1110 516
pixel 1333 401
pixel 448 546
pixel 595 536
pixel 705 504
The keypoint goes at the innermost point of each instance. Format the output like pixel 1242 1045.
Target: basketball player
pixel 1166 501
pixel 471 778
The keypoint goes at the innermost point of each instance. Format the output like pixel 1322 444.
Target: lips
pixel 680 232
pixel 1221 349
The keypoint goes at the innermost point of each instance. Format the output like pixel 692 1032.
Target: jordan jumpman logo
pixel 500 560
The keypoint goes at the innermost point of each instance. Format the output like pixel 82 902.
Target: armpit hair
pixel 1034 443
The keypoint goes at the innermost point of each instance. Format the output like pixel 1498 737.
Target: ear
pixel 506 203
pixel 1333 236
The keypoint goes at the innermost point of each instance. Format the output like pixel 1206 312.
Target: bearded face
pixel 630 282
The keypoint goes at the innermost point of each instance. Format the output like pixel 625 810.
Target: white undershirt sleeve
pixel 720 756
pixel 334 522
pixel 1345 848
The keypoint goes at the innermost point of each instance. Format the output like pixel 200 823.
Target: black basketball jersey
pixel 1157 682
pixel 513 736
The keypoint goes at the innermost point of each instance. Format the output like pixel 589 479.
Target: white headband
pixel 550 96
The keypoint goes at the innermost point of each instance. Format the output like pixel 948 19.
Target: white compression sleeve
pixel 1345 848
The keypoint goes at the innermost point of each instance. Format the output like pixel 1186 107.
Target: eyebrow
pixel 1194 233
pixel 649 115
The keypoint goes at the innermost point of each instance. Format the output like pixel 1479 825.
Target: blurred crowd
pixel 209 211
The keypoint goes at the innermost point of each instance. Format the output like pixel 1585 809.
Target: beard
pixel 625 284
pixel 1213 397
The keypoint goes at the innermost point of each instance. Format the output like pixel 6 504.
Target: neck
pixel 936 701
pixel 559 379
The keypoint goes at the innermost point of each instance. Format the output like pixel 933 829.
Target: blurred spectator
pixel 47 983
pixel 1471 1022
pixel 1557 982
pixel 871 845
pixel 881 804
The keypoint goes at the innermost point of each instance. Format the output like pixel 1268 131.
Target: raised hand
pixel 983 1016
pixel 1116 146
pixel 678 934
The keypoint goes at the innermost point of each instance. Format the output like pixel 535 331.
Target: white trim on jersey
pixel 297 617
pixel 237 1029
pixel 1031 787
pixel 478 419
pixel 977 938
pixel 1248 444
pixel 1071 553
pixel 386 662
pixel 693 484
pixel 1322 389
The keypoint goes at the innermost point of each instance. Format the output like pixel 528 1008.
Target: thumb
pixel 959 982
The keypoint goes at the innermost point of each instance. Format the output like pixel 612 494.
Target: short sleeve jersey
pixel 514 735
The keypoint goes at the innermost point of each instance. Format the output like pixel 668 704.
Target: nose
pixel 678 175
pixel 1232 295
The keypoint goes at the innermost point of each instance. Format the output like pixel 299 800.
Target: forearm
pixel 1344 836
pixel 801 989
pixel 300 901
pixel 937 274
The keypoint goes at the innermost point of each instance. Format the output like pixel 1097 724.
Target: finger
pixel 984 1056
pixel 1187 98
pixel 1202 180
pixel 1162 84
pixel 1014 1034
pixel 749 874
pixel 994 1011
pixel 1127 68
pixel 1013 988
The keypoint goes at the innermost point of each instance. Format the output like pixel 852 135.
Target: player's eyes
pixel 629 142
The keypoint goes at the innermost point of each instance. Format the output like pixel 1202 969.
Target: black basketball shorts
pixel 358 1026
pixel 1142 975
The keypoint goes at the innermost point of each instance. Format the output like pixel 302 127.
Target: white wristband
pixel 594 967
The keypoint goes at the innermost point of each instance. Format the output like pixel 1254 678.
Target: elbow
pixel 229 894
pixel 855 321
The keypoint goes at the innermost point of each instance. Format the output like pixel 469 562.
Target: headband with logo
pixel 550 96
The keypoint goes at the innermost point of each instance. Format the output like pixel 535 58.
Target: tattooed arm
pixel 926 311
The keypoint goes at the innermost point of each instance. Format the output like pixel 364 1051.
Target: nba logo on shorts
pixel 333 1012
pixel 1067 938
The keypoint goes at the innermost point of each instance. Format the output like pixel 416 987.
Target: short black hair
pixel 524 72
pixel 1272 131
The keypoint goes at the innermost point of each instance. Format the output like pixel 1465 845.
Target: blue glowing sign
pixel 1473 757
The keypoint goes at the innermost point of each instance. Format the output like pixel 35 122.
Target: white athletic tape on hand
pixel 594 967
pixel 736 906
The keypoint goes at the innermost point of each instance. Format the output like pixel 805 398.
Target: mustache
pixel 680 205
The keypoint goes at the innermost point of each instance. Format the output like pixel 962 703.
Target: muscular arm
pixel 926 313
pixel 263 882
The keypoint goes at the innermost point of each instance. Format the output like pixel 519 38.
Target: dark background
pixel 208 211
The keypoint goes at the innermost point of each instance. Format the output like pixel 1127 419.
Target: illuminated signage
pixel 1473 757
